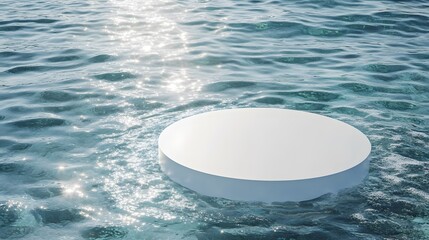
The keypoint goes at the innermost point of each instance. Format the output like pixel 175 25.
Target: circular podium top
pixel 264 144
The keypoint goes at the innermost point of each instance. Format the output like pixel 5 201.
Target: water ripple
pixel 87 86
pixel 113 77
pixel 38 123
pixel 42 21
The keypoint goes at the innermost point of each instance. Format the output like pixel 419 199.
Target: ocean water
pixel 87 86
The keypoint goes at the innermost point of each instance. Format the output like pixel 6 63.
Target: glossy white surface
pixel 262 154
pixel 264 144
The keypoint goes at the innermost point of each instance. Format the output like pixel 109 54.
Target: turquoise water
pixel 87 86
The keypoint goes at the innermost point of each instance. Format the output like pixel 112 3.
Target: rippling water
pixel 87 86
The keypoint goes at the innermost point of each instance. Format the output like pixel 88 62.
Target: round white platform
pixel 264 154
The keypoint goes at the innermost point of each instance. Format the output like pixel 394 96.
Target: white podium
pixel 264 154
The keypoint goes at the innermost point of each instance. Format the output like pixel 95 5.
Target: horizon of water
pixel 87 86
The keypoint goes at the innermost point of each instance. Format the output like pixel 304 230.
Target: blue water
pixel 87 86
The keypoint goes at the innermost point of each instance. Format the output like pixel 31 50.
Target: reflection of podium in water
pixel 264 154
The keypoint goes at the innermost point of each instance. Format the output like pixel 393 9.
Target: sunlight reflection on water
pixel 87 86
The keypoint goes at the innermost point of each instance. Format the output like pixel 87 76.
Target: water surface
pixel 87 86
